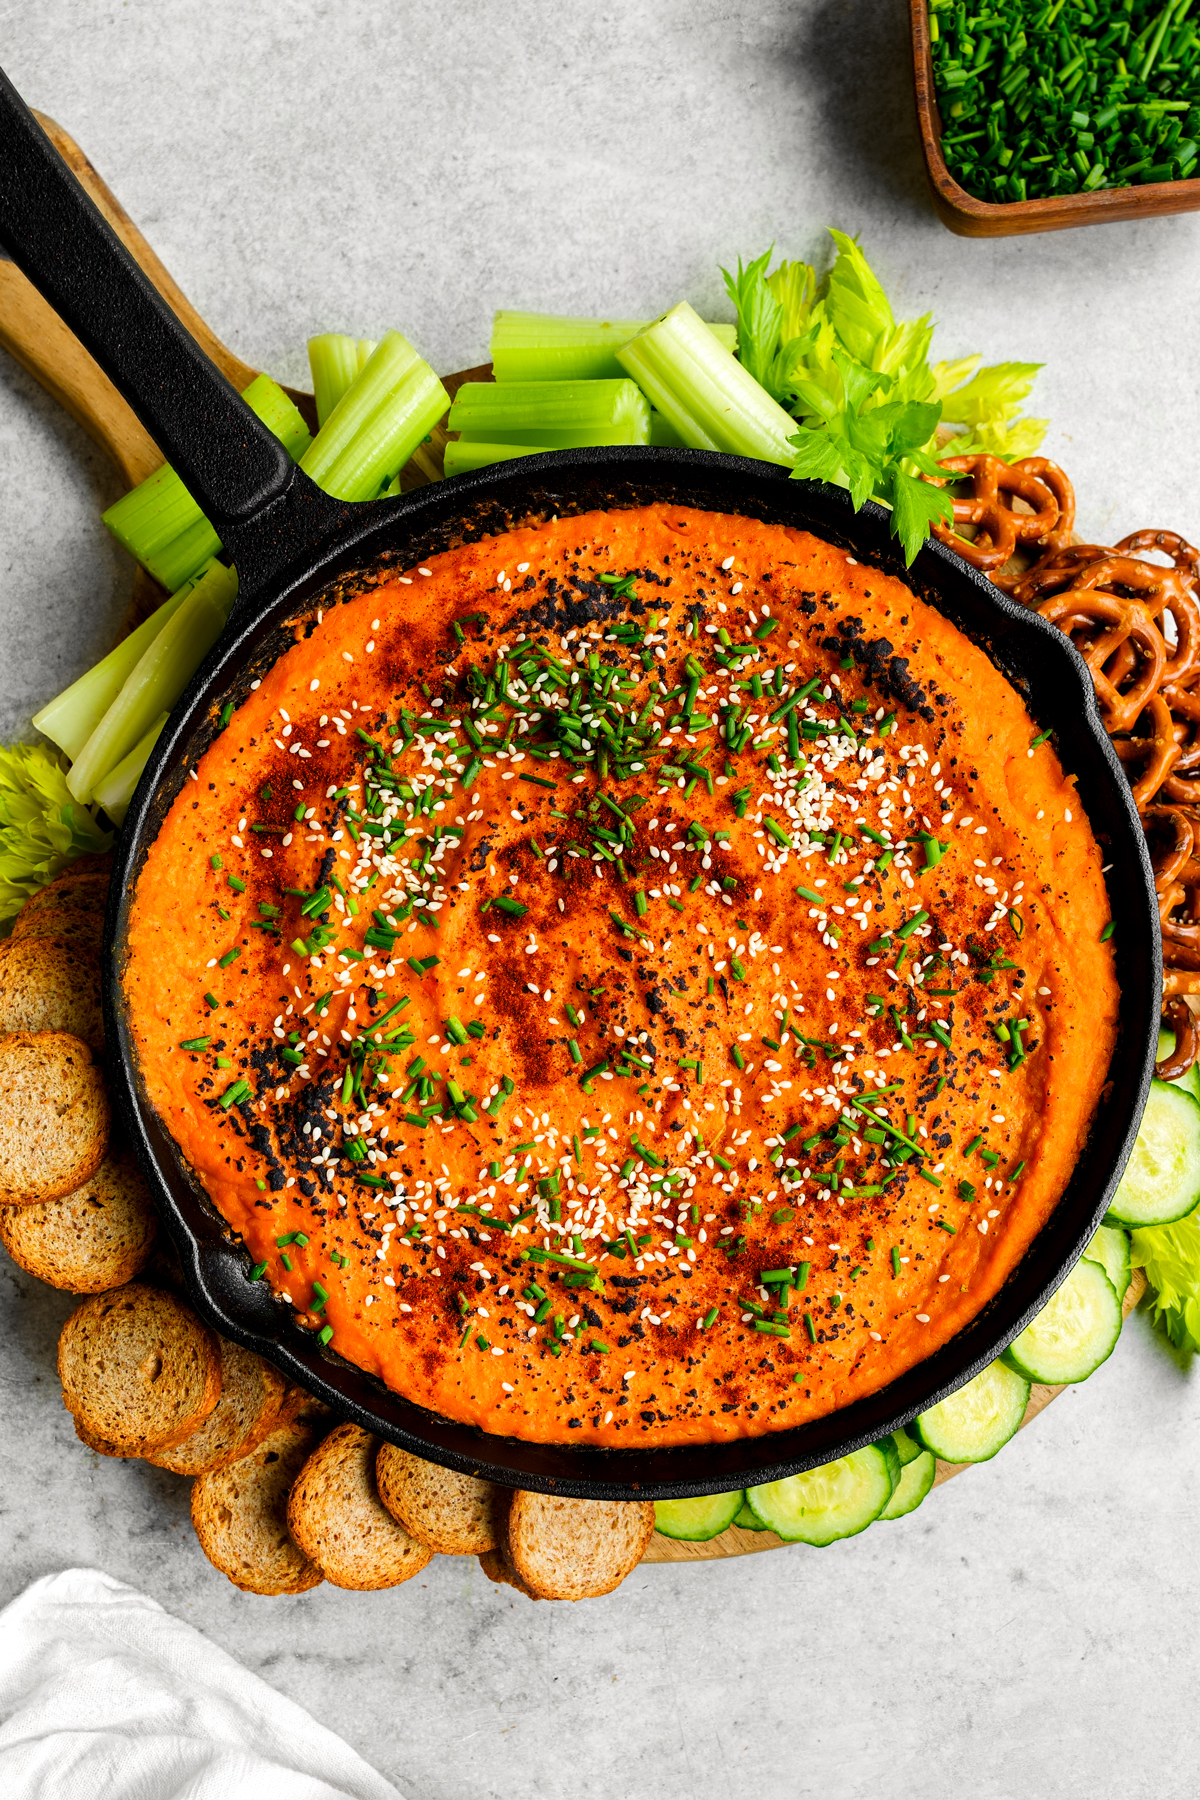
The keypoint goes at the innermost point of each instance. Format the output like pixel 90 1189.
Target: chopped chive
pixel 906 930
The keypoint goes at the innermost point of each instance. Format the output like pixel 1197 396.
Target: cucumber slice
pixel 1162 1182
pixel 1074 1332
pixel 1190 1083
pixel 907 1448
pixel 748 1519
pixel 978 1420
pixel 1110 1248
pixel 838 1500
pixel 697 1520
pixel 916 1479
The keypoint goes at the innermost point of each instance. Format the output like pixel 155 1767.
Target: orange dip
pixel 633 979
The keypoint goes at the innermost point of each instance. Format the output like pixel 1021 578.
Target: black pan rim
pixel 1032 654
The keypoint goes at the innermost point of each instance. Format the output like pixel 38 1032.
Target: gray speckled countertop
pixel 308 166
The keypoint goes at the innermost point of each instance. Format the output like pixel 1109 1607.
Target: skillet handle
pixel 234 468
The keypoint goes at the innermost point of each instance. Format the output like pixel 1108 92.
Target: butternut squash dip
pixel 640 978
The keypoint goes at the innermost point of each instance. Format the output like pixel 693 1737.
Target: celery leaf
pixel 857 305
pixel 42 828
pixel 991 394
pixel 915 507
pixel 818 456
pixel 1018 438
pixel 863 390
pixel 759 318
pixel 794 285
pixel 1170 1255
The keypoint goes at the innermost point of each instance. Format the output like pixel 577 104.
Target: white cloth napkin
pixel 102 1693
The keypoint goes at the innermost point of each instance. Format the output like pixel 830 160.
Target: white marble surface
pixel 306 166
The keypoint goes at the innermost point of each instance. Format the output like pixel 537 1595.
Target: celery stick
pixel 542 347
pixel 460 456
pixel 279 414
pixel 335 360
pixel 558 413
pixel 116 790
pixel 663 434
pixel 179 560
pixel 158 679
pixel 547 437
pixel 377 424
pixel 160 524
pixel 704 392
pixel 70 719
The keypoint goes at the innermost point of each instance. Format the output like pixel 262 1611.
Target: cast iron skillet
pixel 290 543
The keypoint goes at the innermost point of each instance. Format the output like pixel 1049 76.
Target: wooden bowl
pixel 969 217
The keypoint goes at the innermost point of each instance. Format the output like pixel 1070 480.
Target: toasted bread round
pixel 337 1518
pixel 299 1404
pixel 576 1549
pixel 139 1370
pixel 89 1241
pixel 455 1515
pixel 95 862
pixel 47 984
pixel 54 1117
pixel 497 1567
pixel 69 924
pixel 240 1516
pixel 247 1412
pixel 77 885
pixel 94 1442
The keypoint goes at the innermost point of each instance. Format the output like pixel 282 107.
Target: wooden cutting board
pixel 37 337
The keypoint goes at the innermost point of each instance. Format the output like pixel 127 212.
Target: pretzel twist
pixel 1137 626
pixel 1156 754
pixel 1181 1021
pixel 1037 481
